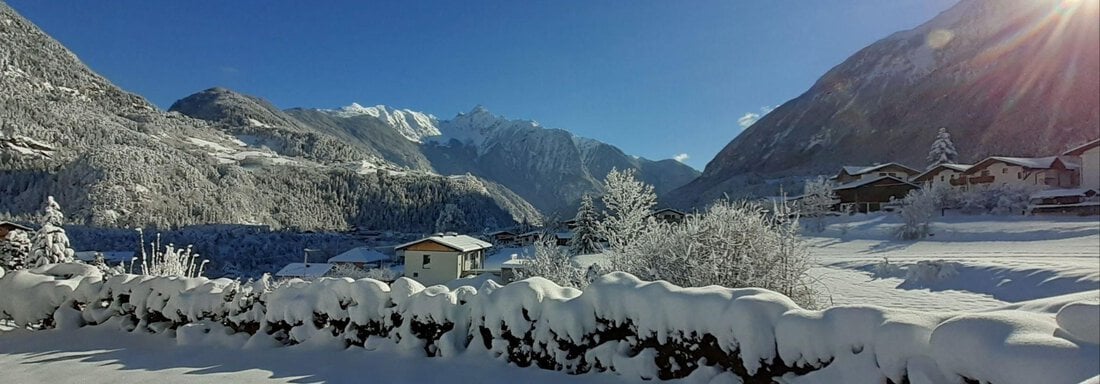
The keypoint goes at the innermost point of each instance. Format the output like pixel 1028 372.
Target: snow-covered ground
pixel 107 355
pixel 995 260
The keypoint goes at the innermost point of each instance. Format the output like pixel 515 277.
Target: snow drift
pixel 647 330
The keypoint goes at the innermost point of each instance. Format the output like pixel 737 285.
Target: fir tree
pixel 51 245
pixel 629 204
pixel 585 239
pixel 943 150
pixel 14 249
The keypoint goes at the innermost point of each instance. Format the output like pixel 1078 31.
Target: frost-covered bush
pixel 998 199
pixel 818 200
pixel 637 329
pixel 731 244
pixel 14 250
pixel 172 261
pixel 353 272
pixel 554 263
pixel 50 244
pixel 918 209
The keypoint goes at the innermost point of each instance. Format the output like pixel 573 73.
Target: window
pixel 426 261
pixel 882 173
pixel 985 172
pixel 1004 170
pixel 1019 175
pixel 941 177
pixel 416 274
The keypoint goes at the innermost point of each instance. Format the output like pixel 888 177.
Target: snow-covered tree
pixel 919 206
pixel 818 199
pixel 629 205
pixel 451 219
pixel 50 244
pixel 943 150
pixel 730 244
pixel 14 250
pixel 586 238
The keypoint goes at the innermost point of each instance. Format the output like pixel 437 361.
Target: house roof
pixel 863 182
pixel 940 167
pixel 304 270
pixel 564 235
pixel 531 233
pixel 501 233
pixel 359 255
pixel 1052 193
pixel 1078 150
pixel 856 170
pixel 461 243
pixel 676 211
pixel 11 224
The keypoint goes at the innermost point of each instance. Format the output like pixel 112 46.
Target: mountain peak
pixel 413 125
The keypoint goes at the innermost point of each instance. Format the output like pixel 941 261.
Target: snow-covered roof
pixel 501 233
pixel 531 233
pixel 564 235
pixel 940 167
pixel 8 223
pixel 1071 192
pixel 862 182
pixel 856 170
pixel 1027 162
pixel 461 243
pixel 516 263
pixel 1078 150
pixel 359 255
pixel 304 270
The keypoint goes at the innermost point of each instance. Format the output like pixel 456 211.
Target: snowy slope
pixel 414 125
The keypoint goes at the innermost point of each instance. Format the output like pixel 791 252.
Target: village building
pixel 1043 172
pixel 529 238
pixel 7 226
pixel 362 258
pixel 443 257
pixel 850 174
pixel 669 215
pixel 305 271
pixel 869 194
pixel 945 175
pixel 563 238
pixel 1088 156
pixel 502 238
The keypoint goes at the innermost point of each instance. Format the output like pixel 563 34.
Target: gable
pixel 430 246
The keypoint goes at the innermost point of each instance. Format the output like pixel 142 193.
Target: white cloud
pixel 681 157
pixel 750 118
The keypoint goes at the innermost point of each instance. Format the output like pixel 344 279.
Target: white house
pixel 1089 160
pixel 948 175
pixel 442 258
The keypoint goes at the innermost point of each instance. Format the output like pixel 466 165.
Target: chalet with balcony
pixel 1044 172
pixel 947 175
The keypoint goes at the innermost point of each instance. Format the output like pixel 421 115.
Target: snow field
pixel 640 330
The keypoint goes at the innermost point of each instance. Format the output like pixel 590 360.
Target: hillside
pixel 1019 77
pixel 112 159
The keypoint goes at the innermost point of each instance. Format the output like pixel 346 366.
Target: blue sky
pixel 656 78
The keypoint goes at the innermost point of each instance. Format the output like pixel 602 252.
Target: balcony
pixel 981 179
pixel 958 181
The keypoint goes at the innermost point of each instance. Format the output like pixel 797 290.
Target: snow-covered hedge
pixel 640 329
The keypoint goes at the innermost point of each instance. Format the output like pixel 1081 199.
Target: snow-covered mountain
pixel 415 126
pixel 112 159
pixel 1008 77
pixel 549 167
